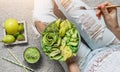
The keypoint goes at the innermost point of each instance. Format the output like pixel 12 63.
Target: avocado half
pixel 31 55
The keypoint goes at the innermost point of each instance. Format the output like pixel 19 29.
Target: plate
pixel 24 33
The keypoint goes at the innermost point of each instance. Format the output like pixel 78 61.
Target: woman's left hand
pixel 72 65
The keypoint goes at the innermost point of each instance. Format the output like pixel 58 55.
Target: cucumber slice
pixel 31 55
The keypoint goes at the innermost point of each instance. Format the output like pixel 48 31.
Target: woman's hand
pixel 109 14
pixel 110 17
pixel 40 26
pixel 72 64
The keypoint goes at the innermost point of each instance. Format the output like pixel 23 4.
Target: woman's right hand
pixel 109 14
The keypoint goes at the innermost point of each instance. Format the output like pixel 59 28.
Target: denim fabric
pixel 97 54
pixel 93 31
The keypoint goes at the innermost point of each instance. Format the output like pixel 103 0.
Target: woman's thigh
pixel 93 31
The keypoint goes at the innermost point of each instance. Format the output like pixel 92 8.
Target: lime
pixel 20 37
pixel 11 26
pixel 21 27
pixel 32 55
pixel 8 39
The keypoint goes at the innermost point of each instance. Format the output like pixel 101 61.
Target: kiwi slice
pixel 31 55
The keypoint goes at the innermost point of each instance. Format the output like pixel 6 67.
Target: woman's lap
pixel 97 54
pixel 87 24
pixel 92 30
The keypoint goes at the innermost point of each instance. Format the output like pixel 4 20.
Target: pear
pixel 20 37
pixel 21 28
pixel 8 39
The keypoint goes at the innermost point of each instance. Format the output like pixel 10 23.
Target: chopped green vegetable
pixel 74 49
pixel 73 43
pixel 62 59
pixel 56 57
pixel 47 48
pixel 51 28
pixel 68 33
pixel 75 35
pixel 68 24
pixel 58 23
pixel 57 44
pixel 74 39
pixel 55 52
pixel 62 31
pixel 49 39
pixel 63 43
pixel 62 25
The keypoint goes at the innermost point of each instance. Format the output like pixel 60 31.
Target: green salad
pixel 60 40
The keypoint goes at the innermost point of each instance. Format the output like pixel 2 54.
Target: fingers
pixel 102 9
pixel 98 14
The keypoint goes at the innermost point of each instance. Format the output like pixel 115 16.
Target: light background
pixel 22 10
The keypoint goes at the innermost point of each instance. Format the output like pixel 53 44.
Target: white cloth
pixel 43 11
